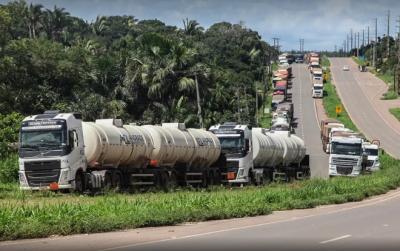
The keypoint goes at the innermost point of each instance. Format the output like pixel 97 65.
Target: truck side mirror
pixel 247 145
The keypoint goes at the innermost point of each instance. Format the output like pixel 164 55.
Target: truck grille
pixel 232 164
pixel 42 173
pixel 344 170
pixel 344 162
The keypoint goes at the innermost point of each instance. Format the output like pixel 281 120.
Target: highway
pixel 360 93
pixel 306 120
pixel 372 224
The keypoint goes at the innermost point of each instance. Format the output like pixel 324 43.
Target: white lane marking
pixel 373 202
pixel 336 239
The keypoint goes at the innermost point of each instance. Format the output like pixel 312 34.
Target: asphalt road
pixel 372 224
pixel 361 108
pixel 306 119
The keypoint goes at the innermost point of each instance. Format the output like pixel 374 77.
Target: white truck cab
pixel 318 90
pixel 346 155
pixel 372 151
pixel 51 150
pixel 236 144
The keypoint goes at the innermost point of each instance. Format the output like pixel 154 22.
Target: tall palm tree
pixel 191 27
pixel 34 18
pixel 55 22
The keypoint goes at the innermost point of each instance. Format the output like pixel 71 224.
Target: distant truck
pixel 326 126
pixel 318 90
pixel 372 152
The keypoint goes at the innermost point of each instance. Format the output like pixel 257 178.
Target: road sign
pixel 338 109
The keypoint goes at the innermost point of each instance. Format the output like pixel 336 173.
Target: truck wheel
pixel 169 182
pixel 108 181
pixel 117 182
pixel 79 182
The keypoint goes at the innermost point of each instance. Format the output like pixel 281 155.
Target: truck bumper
pixel 60 187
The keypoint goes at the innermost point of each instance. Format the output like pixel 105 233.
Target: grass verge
pixel 395 112
pixel 32 215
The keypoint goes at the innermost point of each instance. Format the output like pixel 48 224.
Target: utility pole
pixel 368 36
pixel 348 41
pixel 276 43
pixel 358 43
pixel 397 71
pixel 351 40
pixel 301 44
pixel 387 35
pixel 363 39
pixel 375 42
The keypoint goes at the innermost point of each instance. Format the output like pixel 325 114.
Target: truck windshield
pixel 45 138
pixel 232 146
pixel 318 87
pixel 371 152
pixel 346 149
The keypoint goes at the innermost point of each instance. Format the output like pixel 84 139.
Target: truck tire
pixel 79 182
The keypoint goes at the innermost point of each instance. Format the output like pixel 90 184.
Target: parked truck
pixel 260 154
pixel 326 126
pixel 346 154
pixel 371 149
pixel 59 151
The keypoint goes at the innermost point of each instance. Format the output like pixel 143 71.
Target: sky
pixel 323 24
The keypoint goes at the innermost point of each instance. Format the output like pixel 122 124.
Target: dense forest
pixel 142 71
pixel 118 66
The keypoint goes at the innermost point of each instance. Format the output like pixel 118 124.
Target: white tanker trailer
pixel 256 155
pixel 59 151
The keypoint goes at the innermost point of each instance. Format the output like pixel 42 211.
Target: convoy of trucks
pixel 59 151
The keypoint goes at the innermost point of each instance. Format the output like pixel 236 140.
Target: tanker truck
pixel 258 155
pixel 58 151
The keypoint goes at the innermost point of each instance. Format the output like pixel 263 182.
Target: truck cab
pixel 51 150
pixel 236 145
pixel 372 152
pixel 317 90
pixel 346 155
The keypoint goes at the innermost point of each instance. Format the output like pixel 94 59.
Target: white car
pixel 346 68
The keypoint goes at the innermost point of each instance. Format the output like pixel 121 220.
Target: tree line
pixel 142 71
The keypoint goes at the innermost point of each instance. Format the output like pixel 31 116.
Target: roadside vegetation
pixel 395 112
pixel 41 214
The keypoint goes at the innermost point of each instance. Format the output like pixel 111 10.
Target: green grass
pixel 395 112
pixel 325 61
pixel 41 214
pixel 359 61
pixel 265 119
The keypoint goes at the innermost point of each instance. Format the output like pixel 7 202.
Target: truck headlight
pixel 22 179
pixel 64 176
pixel 240 173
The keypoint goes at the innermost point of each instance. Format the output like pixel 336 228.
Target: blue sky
pixel 322 23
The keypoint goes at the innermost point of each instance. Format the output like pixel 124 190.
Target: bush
pixel 9 169
pixel 9 127
pixel 390 95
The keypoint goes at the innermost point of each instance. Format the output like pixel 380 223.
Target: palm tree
pixel 34 17
pixel 191 27
pixel 55 21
